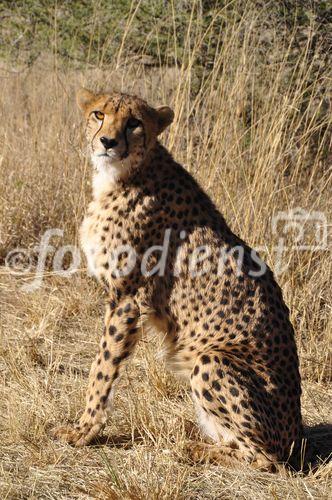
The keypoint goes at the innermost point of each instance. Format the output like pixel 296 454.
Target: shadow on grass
pixel 124 441
pixel 318 446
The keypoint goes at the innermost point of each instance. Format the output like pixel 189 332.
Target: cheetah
pixel 225 325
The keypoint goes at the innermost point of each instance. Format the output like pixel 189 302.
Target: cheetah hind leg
pixel 221 454
pixel 221 387
pixel 226 455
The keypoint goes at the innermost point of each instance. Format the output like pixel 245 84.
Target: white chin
pixel 101 162
pixel 108 171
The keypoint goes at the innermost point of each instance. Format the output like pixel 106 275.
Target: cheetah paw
pixel 79 435
pixel 194 450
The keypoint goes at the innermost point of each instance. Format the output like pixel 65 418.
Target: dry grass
pixel 256 135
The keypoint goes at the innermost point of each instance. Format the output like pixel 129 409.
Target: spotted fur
pixel 228 332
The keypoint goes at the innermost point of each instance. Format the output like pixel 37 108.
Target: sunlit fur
pixel 227 332
pixel 133 144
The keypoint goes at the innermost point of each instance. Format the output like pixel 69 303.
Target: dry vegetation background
pixel 250 86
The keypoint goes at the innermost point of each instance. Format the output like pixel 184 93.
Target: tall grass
pixel 254 127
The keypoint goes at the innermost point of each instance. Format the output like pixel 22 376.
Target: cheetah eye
pixel 133 123
pixel 99 115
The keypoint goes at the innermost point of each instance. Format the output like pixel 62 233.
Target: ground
pixel 254 128
pixel 47 347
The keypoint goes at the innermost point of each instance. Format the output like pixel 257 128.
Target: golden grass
pixel 249 140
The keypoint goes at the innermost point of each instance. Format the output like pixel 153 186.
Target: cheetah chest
pixel 91 245
pixel 100 236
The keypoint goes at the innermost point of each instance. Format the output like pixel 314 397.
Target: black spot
pixel 205 359
pixel 216 385
pixel 234 392
pixel 246 425
pixel 206 394
pixel 112 330
pixel 100 375
pixel 107 355
pixel 225 361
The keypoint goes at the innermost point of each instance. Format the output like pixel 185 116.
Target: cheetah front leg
pixel 117 343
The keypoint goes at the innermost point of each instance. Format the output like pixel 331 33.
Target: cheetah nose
pixel 108 143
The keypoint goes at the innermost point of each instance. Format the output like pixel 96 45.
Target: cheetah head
pixel 121 130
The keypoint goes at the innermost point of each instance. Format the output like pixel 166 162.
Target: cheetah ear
pixel 165 118
pixel 84 98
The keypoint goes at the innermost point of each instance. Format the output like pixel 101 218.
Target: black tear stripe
pixel 93 138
